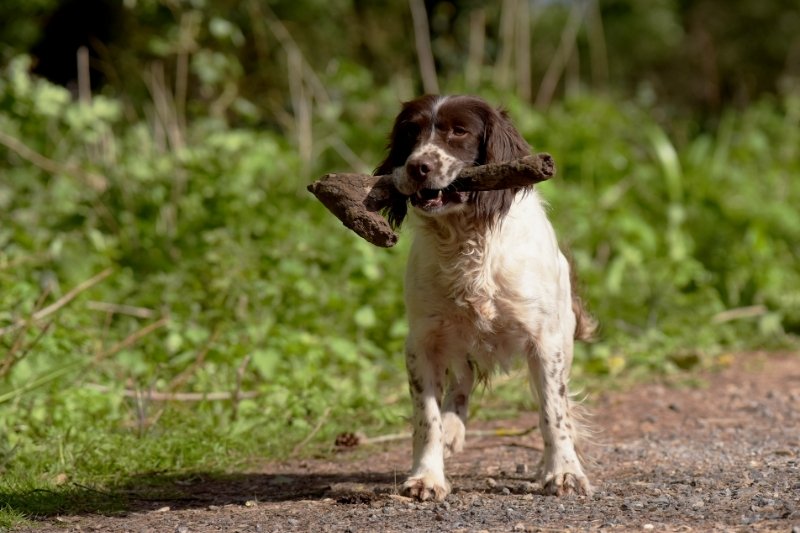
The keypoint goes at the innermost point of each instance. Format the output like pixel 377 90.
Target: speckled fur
pixel 486 281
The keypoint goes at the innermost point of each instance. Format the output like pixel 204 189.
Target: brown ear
pixel 397 211
pixel 401 143
pixel 502 141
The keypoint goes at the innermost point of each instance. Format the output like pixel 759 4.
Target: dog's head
pixel 433 138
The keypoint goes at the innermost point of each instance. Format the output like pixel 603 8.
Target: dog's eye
pixel 408 131
pixel 459 131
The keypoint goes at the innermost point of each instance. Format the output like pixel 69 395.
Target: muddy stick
pixel 357 199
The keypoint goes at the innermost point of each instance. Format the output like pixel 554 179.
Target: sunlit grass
pixel 228 280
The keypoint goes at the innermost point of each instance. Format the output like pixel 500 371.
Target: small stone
pixel 661 500
pixel 491 482
pixel 519 526
pixel 250 503
pixel 294 521
pixel 649 527
pixel 506 491
pixel 522 468
pixel 164 509
pixel 633 506
pixel 182 528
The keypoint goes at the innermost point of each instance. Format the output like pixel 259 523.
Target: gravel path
pixel 724 456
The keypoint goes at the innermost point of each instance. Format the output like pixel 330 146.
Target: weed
pixel 238 319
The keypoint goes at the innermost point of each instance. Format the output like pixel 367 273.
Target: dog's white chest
pixel 471 285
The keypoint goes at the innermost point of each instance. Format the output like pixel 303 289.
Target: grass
pixel 224 276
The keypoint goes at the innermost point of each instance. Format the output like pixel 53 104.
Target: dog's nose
pixel 418 169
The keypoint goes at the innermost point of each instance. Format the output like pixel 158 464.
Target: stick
pixel 422 40
pixel 237 392
pixel 61 302
pixel 120 309
pixel 96 181
pixel 737 313
pixel 357 199
pixel 132 338
pixel 357 439
pixel 186 373
pixel 177 396
pixel 322 419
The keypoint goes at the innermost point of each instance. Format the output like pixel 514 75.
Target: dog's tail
pixel 585 323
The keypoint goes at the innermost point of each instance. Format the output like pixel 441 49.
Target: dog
pixel 485 280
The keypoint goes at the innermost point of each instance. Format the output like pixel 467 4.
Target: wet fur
pixel 486 281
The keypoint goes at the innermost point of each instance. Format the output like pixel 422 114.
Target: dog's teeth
pixel 439 195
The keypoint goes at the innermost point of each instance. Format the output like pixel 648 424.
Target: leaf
pixel 365 317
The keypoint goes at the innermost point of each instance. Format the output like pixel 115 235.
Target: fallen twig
pixel 12 359
pixel 132 338
pixel 58 304
pixel 120 309
pixel 96 181
pixel 38 382
pixel 300 445
pixel 185 374
pixel 351 440
pixel 174 396
pixel 737 313
pixel 238 390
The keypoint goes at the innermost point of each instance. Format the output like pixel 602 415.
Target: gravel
pixel 724 456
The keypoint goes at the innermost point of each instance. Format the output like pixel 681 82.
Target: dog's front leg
pixel 425 378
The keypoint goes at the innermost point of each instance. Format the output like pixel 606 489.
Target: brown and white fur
pixel 485 281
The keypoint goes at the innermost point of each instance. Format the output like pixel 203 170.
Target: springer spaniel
pixel 485 281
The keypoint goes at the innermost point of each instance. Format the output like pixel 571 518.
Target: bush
pixel 227 276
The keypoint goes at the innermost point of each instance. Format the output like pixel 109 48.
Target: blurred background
pixel 157 243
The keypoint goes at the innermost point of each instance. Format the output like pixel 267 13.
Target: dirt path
pixel 721 457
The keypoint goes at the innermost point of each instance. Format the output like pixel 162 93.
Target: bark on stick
pixel 357 199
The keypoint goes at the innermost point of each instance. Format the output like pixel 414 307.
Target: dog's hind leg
pixel 548 362
pixel 455 410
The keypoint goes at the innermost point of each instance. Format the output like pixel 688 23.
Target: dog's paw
pixel 454 432
pixel 564 483
pixel 426 487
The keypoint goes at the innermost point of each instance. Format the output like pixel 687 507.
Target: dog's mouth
pixel 434 199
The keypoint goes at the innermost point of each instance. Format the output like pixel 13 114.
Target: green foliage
pixel 228 276
pixel 667 237
pixel 219 237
